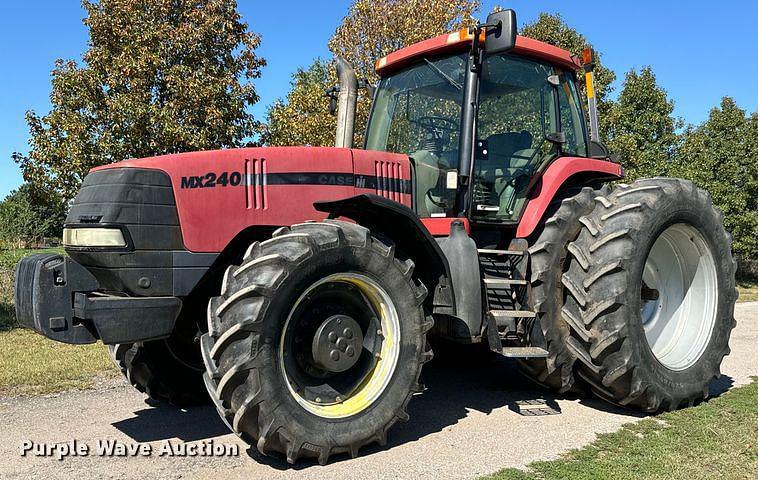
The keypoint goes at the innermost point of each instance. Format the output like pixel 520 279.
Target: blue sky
pixel 699 50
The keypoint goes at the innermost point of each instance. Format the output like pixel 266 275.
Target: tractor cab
pixel 478 162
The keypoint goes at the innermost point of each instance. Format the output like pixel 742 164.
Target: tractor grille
pixel 255 186
pixel 141 202
pixel 389 181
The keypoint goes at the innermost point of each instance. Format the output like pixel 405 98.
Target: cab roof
pixel 459 41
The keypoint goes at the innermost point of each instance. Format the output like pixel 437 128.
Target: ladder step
pixel 524 352
pixel 504 281
pixel 513 313
pixel 489 251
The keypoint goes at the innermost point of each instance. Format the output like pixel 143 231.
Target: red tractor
pixel 296 287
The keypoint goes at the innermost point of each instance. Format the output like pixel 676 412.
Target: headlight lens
pixel 93 237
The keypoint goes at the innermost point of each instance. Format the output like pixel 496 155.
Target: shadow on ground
pixel 479 382
pixel 164 422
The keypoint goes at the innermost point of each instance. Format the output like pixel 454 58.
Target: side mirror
pixel 501 32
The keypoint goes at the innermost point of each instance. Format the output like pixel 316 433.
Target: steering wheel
pixel 433 122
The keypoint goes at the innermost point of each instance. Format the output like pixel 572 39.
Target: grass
pixel 30 364
pixel 748 290
pixel 717 439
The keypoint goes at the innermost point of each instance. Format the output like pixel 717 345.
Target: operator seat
pixel 501 148
pixel 506 153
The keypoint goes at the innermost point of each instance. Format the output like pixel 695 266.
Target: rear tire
pixel 651 295
pixel 548 256
pixel 261 361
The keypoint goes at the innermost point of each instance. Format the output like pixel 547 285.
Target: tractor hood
pixel 220 193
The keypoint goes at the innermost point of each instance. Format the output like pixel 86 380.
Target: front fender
pixel 401 224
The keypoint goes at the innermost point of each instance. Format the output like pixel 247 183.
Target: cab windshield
pixel 417 111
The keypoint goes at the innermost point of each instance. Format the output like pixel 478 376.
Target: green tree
pixel 371 30
pixel 640 127
pixel 553 29
pixel 159 77
pixel 303 118
pixel 27 215
pixel 719 156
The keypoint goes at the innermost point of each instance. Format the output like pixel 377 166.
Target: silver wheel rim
pixel 379 378
pixel 678 323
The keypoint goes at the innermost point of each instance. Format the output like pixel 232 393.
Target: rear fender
pixel 564 172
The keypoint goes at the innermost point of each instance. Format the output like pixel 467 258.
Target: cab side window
pixel 571 124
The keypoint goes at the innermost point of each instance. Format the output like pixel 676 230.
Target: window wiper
pixel 444 75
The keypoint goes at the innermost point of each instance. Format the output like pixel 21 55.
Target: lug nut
pixel 350 351
pixel 348 333
pixel 332 337
pixel 334 355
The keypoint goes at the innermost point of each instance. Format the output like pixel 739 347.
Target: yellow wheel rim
pixel 376 380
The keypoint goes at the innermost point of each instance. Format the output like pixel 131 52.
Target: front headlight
pixel 93 237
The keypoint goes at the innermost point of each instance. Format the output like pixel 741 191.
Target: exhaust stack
pixel 347 98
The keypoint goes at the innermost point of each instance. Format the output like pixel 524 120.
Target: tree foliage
pixel 303 118
pixel 719 156
pixel 370 30
pixel 27 215
pixel 640 127
pixel 159 77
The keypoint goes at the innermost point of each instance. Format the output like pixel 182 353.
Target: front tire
pixel 266 371
pixel 651 295
pixel 164 370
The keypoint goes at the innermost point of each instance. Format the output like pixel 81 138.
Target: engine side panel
pixel 220 193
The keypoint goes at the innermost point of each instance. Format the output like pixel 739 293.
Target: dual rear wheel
pixel 641 294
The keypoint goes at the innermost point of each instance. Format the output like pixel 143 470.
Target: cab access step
pixel 508 297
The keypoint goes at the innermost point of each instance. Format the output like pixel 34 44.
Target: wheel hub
pixel 340 345
pixel 337 344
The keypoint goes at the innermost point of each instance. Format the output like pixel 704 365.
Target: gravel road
pixel 463 426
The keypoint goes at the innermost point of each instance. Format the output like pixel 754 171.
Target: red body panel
pixel 269 186
pixel 383 165
pixel 440 227
pixel 552 180
pixel 278 185
pixel 454 42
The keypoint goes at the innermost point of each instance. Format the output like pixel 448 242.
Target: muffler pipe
pixel 347 99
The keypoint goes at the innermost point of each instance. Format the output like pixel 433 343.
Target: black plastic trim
pixel 58 298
